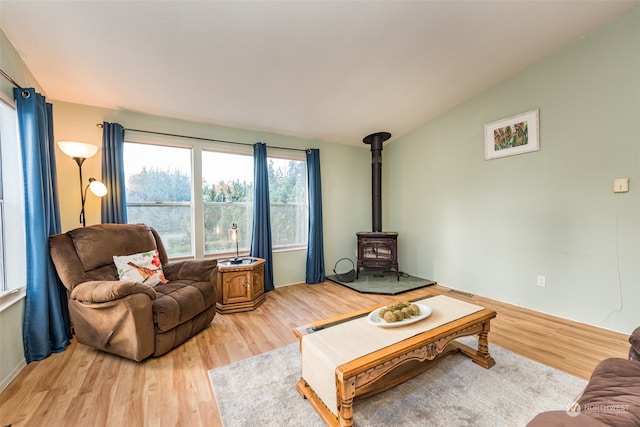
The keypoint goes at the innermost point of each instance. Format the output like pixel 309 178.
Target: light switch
pixel 621 185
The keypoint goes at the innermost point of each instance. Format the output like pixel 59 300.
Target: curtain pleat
pixel 47 328
pixel 315 248
pixel 114 204
pixel 261 245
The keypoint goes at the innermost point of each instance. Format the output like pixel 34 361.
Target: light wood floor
pixel 84 387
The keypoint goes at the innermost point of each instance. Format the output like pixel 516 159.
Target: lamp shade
pixel 78 149
pixel 233 233
pixel 97 187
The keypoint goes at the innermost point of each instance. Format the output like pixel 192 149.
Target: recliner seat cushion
pixel 179 301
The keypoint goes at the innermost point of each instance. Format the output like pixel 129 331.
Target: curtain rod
pixel 25 92
pixel 203 139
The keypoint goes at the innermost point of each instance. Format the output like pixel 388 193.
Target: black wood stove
pixel 377 249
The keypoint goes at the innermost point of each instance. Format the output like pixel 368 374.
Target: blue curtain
pixel 46 317
pixel 114 204
pixel 261 246
pixel 315 248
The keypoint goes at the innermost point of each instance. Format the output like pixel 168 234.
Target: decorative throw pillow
pixel 144 267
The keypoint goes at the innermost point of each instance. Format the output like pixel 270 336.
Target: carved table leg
pixel 480 356
pixel 484 358
pixel 346 393
pixel 346 413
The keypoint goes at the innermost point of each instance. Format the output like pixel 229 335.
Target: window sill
pixel 8 298
pixel 245 253
pixel 292 248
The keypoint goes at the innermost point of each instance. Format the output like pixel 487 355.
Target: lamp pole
pixel 80 161
pixel 235 235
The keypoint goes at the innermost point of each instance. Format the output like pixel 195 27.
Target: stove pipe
pixel 376 140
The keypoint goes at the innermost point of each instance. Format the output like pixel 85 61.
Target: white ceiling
pixel 328 70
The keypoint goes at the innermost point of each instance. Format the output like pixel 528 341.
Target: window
pixel 159 193
pixel 12 232
pixel 195 220
pixel 227 198
pixel 2 260
pixel 288 198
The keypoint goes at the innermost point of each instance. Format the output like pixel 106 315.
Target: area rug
pixel 262 391
pixel 370 282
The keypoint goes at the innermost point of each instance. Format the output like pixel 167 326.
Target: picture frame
pixel 514 135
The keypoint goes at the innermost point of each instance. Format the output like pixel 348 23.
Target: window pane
pixel 219 218
pixel 3 284
pixel 173 223
pixel 155 173
pixel 288 196
pixel 12 230
pixel 159 193
pixel 227 191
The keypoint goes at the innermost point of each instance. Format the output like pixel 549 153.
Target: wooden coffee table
pixel 389 366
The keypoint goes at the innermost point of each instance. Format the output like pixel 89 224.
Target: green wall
pixel 490 227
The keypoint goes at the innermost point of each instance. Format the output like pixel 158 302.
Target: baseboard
pixel 14 373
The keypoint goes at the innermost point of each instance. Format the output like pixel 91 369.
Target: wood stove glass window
pixel 376 251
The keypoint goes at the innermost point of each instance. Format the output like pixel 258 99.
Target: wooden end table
pixel 393 365
pixel 240 287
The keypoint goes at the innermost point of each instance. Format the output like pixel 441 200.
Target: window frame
pixel 159 204
pixel 245 243
pixel 280 155
pixel 3 277
pixel 13 264
pixel 198 205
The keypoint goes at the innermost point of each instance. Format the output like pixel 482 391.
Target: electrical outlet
pixel 542 281
pixel 621 185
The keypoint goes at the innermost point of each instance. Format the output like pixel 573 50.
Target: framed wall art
pixel 513 135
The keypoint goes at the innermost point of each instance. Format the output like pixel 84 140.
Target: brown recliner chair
pixel 128 318
pixel 611 397
pixel 634 340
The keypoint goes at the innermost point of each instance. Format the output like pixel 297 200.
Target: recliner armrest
pixel 200 270
pixel 100 291
pixel 634 340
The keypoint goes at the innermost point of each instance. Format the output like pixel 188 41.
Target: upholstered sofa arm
pixel 634 340
pixel 564 419
pixel 201 270
pixel 100 291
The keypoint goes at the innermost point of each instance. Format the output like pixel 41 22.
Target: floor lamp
pixel 81 151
